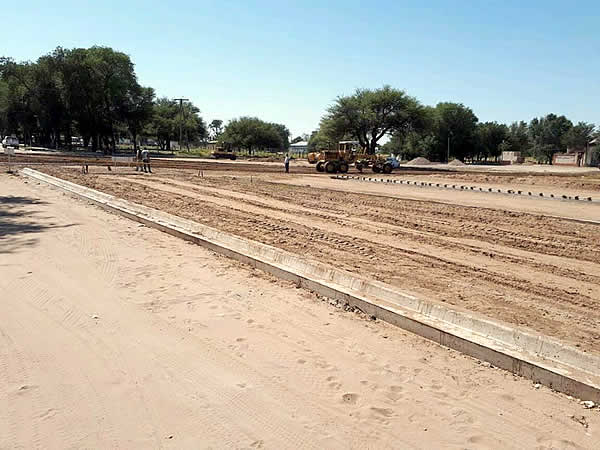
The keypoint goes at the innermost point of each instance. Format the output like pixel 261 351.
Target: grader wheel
pixel 320 166
pixel 330 167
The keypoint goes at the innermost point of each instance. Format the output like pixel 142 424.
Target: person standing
pixel 138 159
pixel 286 163
pixel 146 160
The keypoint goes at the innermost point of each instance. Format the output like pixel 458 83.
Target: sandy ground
pixel 525 269
pixel 583 186
pixel 113 335
pixel 534 205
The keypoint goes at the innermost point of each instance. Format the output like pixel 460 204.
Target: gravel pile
pixel 456 162
pixel 420 161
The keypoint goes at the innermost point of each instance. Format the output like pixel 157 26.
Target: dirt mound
pixel 420 161
pixel 456 162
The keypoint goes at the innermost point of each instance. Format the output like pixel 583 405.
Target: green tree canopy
pixel 167 120
pixel 489 137
pixel 368 115
pixel 283 133
pixel 547 135
pixel 579 136
pixel 216 128
pixel 251 133
pixel 518 138
pixel 456 123
pixel 94 91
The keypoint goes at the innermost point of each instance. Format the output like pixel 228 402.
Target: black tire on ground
pixel 233 157
pixel 331 167
pixel 376 169
pixel 320 167
pixel 387 168
pixel 343 167
pixel 359 167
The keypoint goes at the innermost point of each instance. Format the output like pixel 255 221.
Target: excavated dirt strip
pixel 521 268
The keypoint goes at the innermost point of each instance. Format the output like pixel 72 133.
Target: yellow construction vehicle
pixel 348 153
pixel 313 157
pixel 333 161
pixel 225 151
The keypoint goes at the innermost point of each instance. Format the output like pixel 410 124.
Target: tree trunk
pixel 372 146
pixel 68 136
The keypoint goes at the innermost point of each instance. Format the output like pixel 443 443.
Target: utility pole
pixel 448 154
pixel 181 100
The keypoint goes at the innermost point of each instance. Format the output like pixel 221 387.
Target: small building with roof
pixel 298 149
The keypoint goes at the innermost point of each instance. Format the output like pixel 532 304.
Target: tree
pixel 490 135
pixel 167 121
pixel 138 111
pixel 455 127
pixel 548 135
pixel 304 137
pixel 3 107
pixel 283 133
pixel 579 136
pixel 518 138
pixel 216 127
pixel 327 136
pixel 368 115
pixel 252 133
pixel 164 122
pixel 413 145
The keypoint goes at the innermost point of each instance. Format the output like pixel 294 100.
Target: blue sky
pixel 286 61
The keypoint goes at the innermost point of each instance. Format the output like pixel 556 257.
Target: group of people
pixel 143 157
pixel 142 162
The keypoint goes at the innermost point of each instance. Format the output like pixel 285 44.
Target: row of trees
pixel 90 91
pixel 93 93
pixel 448 130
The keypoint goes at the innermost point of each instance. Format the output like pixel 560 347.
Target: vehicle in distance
pixel 224 152
pixel 10 141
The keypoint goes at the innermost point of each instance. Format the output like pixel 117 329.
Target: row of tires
pixel 333 166
pixel 342 167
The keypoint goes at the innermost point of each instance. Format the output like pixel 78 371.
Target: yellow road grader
pixel 348 153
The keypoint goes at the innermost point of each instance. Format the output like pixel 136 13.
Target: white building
pixel 299 148
pixel 592 156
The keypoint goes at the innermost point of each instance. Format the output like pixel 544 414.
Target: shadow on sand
pixel 18 223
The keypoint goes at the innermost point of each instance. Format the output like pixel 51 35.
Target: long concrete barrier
pixel 521 351
pixel 513 192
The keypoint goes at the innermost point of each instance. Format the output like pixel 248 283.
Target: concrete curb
pixel 487 190
pixel 521 351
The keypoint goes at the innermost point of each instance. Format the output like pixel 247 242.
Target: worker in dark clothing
pixel 146 161
pixel 286 163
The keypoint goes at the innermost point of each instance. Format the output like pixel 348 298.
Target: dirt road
pixel 114 335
